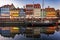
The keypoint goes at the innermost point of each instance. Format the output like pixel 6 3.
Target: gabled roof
pixel 36 4
pixel 8 6
pixel 15 9
pixel 23 9
pixel 49 9
pixel 58 10
pixel 31 5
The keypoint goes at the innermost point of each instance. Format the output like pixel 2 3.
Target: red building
pixel 32 9
pixel 29 9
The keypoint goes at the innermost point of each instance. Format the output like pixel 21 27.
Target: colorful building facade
pixel 37 10
pixel 33 10
pixel 50 12
pixel 29 10
pixel 22 12
pixel 5 12
pixel 14 13
pixel 44 13
pixel 58 13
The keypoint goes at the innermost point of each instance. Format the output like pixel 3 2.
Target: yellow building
pixel 50 12
pixel 14 13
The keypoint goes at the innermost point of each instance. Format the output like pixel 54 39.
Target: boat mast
pixel 42 11
pixel 33 11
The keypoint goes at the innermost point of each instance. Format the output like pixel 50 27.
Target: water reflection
pixel 55 36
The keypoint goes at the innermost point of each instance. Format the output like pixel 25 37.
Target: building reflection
pixel 27 31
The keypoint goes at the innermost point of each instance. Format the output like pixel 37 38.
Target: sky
pixel 21 3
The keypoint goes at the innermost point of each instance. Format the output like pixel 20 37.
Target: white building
pixel 37 10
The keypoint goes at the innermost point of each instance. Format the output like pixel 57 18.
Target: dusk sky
pixel 21 3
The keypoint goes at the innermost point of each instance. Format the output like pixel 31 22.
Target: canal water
pixel 55 36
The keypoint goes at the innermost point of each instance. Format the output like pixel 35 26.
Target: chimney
pixel 48 6
pixel 24 7
pixel 12 4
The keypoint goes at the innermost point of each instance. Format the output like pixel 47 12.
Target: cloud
pixel 21 3
pixel 16 3
pixel 4 2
